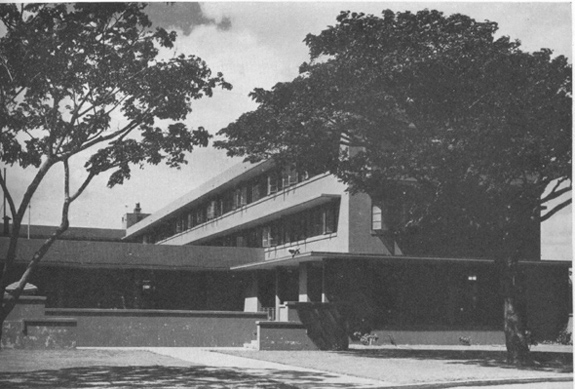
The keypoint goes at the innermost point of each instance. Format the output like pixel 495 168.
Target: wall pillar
pixel 277 291
pixel 303 295
pixel 252 301
pixel 324 283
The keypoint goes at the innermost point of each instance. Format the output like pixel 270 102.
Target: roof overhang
pixel 293 261
pixel 228 179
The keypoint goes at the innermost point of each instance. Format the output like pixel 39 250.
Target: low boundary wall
pixel 465 337
pixel 161 328
pixel 31 325
pixel 277 335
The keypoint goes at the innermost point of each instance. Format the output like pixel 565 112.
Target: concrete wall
pixel 361 238
pixel 27 327
pixel 157 328
pixel 30 325
pixel 283 336
pixel 442 337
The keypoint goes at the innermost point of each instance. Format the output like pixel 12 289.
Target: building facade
pixel 322 244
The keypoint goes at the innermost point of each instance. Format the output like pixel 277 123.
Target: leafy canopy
pixel 85 76
pixel 467 129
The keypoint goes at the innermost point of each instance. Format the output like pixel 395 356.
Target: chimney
pixel 130 219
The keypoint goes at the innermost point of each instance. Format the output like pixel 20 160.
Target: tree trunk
pixel 9 300
pixel 516 339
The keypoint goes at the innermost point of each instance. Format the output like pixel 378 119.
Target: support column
pixel 324 283
pixel 277 292
pixel 303 295
pixel 252 301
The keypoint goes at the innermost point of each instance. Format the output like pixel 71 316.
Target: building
pixel 321 244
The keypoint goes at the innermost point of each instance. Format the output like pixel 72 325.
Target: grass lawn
pixel 411 366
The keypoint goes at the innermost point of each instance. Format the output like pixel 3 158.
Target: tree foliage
pixel 468 132
pixel 477 127
pixel 87 81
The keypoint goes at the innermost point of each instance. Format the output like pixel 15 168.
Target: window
pixel 254 238
pixel 330 218
pixel 301 230
pixel 277 234
pixel 243 200
pixel 266 236
pixel 315 222
pixel 241 241
pixel 273 183
pixel 289 176
pixel 190 220
pixel 219 207
pixel 211 211
pixel 376 217
pixel 200 215
pixel 236 203
pixel 228 202
pixel 257 192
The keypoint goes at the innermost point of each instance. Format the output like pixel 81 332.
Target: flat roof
pixel 89 254
pixel 316 256
pixel 72 233
pixel 227 179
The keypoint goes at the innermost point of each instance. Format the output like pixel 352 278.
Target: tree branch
pixel 8 195
pixel 555 193
pixel 31 189
pixel 84 185
pixel 557 208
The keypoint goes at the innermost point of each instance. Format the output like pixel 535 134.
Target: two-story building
pixel 321 243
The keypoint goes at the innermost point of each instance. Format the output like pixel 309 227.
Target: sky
pixel 256 44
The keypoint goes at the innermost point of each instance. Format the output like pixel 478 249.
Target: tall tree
pixel 85 81
pixel 466 129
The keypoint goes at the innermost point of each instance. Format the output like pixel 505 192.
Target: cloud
pixel 184 16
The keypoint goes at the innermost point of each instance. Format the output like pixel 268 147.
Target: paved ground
pixel 423 366
pixel 294 376
pixel 367 368
pixel 537 385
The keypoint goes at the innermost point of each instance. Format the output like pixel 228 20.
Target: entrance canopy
pixel 314 256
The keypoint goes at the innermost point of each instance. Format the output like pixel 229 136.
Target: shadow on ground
pixel 161 377
pixel 543 361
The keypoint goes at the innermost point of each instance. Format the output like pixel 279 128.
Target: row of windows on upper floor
pixel 290 229
pixel 243 194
